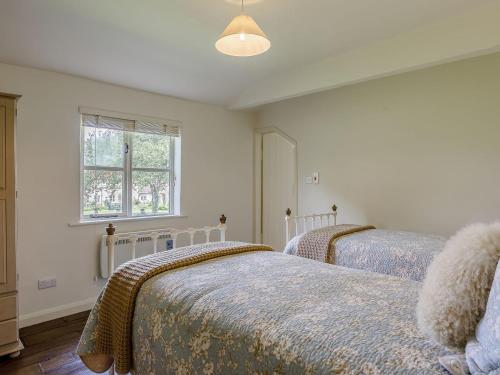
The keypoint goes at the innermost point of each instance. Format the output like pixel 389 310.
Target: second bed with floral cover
pixel 397 253
pixel 266 312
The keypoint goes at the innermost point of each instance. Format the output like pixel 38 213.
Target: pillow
pixel 483 352
pixel 455 290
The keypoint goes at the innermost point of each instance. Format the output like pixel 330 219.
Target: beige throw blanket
pixel 113 337
pixel 319 244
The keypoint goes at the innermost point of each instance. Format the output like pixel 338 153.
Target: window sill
pixel 83 222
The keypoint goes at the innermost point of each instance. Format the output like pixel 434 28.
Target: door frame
pixel 258 160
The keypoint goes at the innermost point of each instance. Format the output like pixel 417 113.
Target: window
pixel 128 167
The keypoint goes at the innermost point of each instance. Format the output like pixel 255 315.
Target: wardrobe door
pixel 9 336
pixel 7 197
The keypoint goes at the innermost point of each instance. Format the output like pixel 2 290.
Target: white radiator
pixel 124 250
pixel 118 248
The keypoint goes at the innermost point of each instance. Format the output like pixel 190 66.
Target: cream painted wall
pixel 217 178
pixel 419 151
pixel 471 33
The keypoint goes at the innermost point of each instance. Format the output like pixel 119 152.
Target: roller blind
pixel 139 126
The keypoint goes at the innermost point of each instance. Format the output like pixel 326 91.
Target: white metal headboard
pixel 112 239
pixel 315 220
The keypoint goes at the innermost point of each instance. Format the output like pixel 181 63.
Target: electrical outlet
pixel 47 283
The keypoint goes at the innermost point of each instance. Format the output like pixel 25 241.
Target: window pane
pixel 150 151
pixel 150 193
pixel 102 192
pixel 103 147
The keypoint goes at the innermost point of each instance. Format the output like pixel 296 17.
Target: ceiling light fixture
pixel 243 37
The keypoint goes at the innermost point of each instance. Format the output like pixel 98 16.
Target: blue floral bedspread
pixel 269 313
pixel 397 253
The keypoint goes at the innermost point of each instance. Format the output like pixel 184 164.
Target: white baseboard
pixel 41 316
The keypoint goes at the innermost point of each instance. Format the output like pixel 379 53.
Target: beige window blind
pixel 140 126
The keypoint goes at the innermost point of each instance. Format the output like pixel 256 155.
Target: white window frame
pixel 173 170
pixel 129 169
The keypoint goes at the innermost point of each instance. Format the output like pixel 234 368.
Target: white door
pixel 279 186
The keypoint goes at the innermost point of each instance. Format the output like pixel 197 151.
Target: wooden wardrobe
pixel 9 326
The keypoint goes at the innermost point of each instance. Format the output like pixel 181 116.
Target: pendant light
pixel 243 37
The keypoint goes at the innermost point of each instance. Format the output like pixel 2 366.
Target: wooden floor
pixel 49 349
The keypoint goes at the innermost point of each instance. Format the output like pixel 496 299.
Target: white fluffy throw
pixel 455 290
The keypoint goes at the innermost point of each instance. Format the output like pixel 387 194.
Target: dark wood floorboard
pixel 49 349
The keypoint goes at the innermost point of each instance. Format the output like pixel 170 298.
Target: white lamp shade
pixel 243 37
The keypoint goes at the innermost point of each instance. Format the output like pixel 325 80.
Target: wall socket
pixel 49 282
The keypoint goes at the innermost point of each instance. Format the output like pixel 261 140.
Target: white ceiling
pixel 166 46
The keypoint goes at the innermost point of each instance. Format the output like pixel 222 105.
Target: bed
pixel 260 311
pixel 397 253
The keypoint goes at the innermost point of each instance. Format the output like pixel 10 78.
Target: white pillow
pixel 455 290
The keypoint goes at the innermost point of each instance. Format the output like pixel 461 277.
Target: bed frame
pixel 315 221
pixel 112 239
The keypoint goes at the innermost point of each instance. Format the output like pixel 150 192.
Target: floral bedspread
pixel 397 253
pixel 265 313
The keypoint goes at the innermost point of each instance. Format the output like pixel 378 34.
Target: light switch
pixel 309 180
pixel 315 177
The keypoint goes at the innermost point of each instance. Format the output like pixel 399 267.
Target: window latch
pixel 126 148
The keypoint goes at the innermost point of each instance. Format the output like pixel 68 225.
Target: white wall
pixel 216 178
pixel 419 151
pixel 470 33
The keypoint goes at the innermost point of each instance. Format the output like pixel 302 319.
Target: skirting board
pixel 41 316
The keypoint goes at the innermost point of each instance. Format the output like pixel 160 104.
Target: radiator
pixel 124 250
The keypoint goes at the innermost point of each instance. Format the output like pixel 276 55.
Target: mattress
pixel 397 253
pixel 268 312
